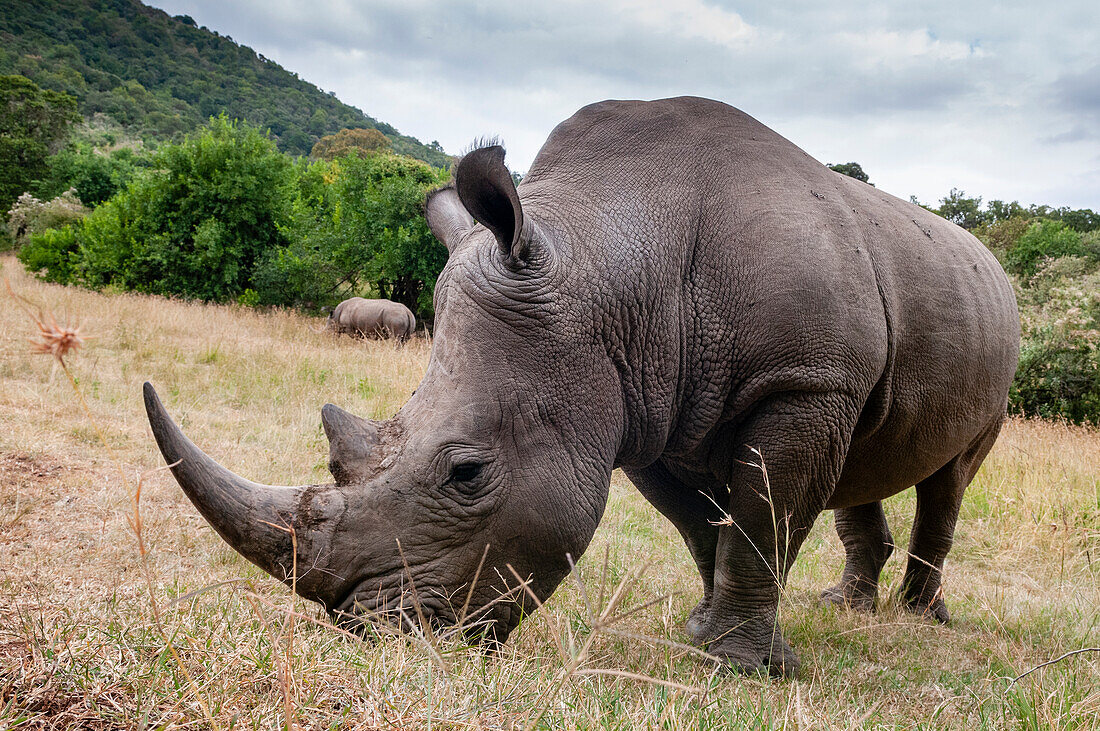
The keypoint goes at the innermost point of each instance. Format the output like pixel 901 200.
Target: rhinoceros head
pixel 497 466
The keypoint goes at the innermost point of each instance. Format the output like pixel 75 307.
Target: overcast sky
pixel 999 99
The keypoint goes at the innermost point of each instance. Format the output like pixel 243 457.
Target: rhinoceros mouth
pixel 388 602
pixel 367 609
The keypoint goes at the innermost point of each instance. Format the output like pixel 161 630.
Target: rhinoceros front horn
pixel 246 514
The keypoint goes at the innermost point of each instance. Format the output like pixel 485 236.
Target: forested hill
pixel 161 76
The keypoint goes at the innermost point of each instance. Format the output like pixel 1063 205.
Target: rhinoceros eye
pixel 465 471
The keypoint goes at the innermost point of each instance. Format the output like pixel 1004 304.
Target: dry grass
pixel 79 645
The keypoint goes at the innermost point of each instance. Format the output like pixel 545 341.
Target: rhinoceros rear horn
pixel 352 440
pixel 487 191
pixel 250 517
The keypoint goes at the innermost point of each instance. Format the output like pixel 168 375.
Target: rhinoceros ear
pixel 486 189
pixel 447 219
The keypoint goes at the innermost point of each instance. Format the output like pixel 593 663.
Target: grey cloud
pixel 1075 134
pixel 1079 92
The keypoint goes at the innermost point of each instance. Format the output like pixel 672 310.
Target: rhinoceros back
pixel 775 273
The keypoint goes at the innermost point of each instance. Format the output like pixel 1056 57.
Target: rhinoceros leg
pixel 938 500
pixel 686 500
pixel 804 439
pixel 867 545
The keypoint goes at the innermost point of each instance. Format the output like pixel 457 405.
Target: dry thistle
pixel 53 338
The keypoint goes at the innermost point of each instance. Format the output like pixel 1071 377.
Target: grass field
pixel 92 636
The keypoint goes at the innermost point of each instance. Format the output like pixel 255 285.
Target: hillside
pixel 161 76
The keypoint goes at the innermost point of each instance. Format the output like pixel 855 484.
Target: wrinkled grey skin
pixel 673 284
pixel 373 318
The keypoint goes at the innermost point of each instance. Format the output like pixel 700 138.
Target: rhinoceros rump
pixel 672 284
pixel 372 318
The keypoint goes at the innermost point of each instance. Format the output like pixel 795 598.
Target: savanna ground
pixel 92 636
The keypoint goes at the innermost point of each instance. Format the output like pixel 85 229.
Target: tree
pixel 957 208
pixel 359 230
pixel 404 258
pixel 33 125
pixel 346 141
pixel 997 211
pixel 852 170
pixel 1081 220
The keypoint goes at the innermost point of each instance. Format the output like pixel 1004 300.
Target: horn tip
pixel 152 400
pixel 330 416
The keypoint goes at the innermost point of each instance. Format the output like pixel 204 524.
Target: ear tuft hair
pixel 478 143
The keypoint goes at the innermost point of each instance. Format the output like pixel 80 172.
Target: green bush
pixel 1044 239
pixel 224 216
pixel 51 254
pixel 94 175
pixel 195 225
pixel 107 244
pixel 1059 370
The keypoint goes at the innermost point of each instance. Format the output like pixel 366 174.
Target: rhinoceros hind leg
pixel 938 500
pixel 867 545
pixel 682 498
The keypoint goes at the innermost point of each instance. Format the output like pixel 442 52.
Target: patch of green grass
pixel 210 355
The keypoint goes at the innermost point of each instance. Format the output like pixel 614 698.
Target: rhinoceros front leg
pixel 804 439
pixel 688 500
pixel 867 544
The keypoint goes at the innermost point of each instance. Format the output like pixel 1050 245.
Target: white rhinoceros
pixel 672 284
pixel 372 318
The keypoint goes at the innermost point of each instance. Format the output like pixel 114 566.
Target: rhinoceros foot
pixel 754 646
pixel 696 624
pixel 854 595
pixel 931 608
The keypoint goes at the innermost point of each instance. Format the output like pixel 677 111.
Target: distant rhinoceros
pixel 672 284
pixel 372 318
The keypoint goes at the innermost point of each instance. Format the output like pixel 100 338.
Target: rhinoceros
pixel 672 286
pixel 373 318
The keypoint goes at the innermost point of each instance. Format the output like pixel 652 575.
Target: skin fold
pixel 672 285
